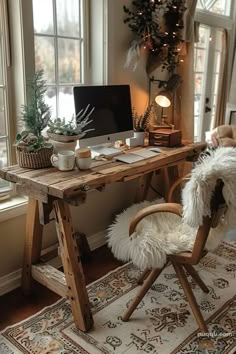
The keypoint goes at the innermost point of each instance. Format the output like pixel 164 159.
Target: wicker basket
pixel 38 159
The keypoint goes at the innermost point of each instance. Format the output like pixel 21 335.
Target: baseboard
pixel 12 280
pixel 96 240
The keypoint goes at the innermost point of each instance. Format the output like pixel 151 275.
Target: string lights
pixel 157 25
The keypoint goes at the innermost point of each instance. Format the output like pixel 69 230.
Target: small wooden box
pixel 165 137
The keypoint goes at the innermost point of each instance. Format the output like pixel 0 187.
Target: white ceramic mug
pixel 83 158
pixel 64 160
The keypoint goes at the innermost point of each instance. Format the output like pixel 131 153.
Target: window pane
pixel 221 7
pixel 1 65
pixel 203 37
pixel 69 60
pixel 2 114
pixel 43 16
pixel 198 83
pixel 68 18
pixel 3 153
pixel 66 102
pixel 45 57
pixel 200 60
pixel 51 100
pixel 197 105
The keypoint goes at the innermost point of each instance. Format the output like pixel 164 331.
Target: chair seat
pixel 156 236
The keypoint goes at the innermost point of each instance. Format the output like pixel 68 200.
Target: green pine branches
pixel 36 113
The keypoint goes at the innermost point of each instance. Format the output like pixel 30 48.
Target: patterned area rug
pixel 163 322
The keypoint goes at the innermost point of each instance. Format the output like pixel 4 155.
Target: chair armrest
pixel 175 185
pixel 173 208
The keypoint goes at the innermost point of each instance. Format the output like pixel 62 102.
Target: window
pixel 207 64
pixel 59 50
pixel 4 126
pixel 221 7
pixel 214 19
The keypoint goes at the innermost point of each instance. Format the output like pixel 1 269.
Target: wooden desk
pixel 51 189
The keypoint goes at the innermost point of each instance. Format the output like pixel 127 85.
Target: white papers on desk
pixel 136 155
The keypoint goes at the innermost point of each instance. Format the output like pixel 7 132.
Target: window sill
pixel 13 207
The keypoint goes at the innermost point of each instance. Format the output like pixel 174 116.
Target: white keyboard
pixel 129 158
pixel 137 155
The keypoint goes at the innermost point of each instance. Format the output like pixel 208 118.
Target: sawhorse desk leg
pixel 143 187
pixel 73 270
pixel 33 243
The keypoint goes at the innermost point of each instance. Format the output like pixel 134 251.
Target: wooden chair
pixel 184 260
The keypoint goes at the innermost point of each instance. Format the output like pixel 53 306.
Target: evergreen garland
pixel 158 25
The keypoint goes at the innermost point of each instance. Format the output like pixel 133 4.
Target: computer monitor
pixel 112 116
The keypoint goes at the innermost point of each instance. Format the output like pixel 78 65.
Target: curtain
pixel 188 30
pixel 222 89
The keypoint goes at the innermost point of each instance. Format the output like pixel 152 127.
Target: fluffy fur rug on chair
pixel 161 234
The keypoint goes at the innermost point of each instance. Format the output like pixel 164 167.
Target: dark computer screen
pixel 112 113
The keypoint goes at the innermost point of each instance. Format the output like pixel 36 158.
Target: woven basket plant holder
pixel 35 160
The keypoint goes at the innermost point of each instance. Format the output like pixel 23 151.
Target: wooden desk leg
pixel 171 174
pixel 143 187
pixel 73 270
pixel 33 243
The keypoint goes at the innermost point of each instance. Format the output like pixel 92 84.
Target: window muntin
pixel 59 50
pixel 220 7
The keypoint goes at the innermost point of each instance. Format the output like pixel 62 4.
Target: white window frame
pixel 23 67
pixel 223 22
pixel 6 63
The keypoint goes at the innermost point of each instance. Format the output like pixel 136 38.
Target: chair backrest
pixel 218 208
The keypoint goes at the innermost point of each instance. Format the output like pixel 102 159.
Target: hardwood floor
pixel 15 307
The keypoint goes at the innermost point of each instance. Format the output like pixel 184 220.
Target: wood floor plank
pixel 16 307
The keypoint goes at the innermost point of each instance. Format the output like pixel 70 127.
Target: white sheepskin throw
pixel 197 193
pixel 161 234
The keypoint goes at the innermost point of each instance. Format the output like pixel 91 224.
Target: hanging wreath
pixel 157 25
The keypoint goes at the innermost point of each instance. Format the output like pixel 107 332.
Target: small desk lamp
pixel 166 97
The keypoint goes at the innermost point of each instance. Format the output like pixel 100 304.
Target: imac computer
pixel 112 116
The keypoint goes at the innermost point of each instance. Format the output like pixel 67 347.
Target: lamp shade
pixel 164 98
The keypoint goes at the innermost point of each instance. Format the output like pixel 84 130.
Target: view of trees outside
pixel 58 41
pixel 221 7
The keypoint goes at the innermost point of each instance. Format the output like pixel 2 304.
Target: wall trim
pixel 12 280
pixel 12 208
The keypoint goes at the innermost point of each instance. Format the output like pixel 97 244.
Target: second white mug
pixel 64 160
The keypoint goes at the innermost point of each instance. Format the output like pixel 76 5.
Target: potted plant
pixel 140 124
pixel 64 134
pixel 32 149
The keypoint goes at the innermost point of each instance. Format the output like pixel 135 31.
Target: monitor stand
pixel 105 149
